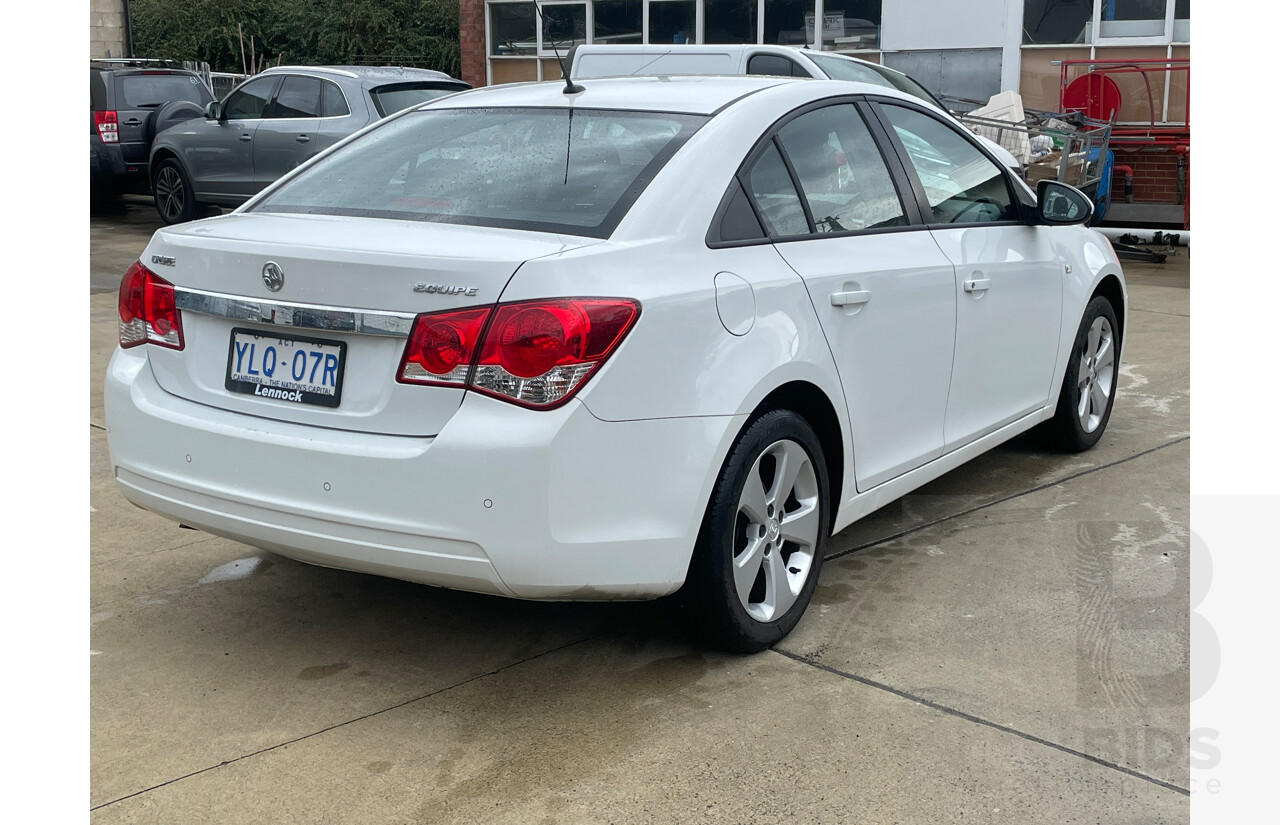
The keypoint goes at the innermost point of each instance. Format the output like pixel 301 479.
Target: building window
pixel 618 21
pixel 673 21
pixel 1105 22
pixel 512 29
pixel 785 20
pixel 848 25
pixel 729 21
pixel 564 25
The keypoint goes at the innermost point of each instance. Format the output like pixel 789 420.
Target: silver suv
pixel 270 124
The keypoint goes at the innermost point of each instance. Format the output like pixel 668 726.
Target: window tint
pixel 841 171
pixel 151 91
pixel 533 169
pixel 250 100
pixel 775 195
pixel 298 97
pixel 335 103
pixel 390 99
pixel 773 64
pixel 961 183
pixel 739 221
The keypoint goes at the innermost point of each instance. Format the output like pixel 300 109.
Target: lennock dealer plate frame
pixel 280 384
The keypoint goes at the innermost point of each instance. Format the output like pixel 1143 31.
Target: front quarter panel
pixel 1091 260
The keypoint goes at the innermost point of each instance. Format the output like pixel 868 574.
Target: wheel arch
pixel 158 157
pixel 810 402
pixel 1109 287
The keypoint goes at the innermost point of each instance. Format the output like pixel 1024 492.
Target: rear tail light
pixel 532 353
pixel 108 126
pixel 148 311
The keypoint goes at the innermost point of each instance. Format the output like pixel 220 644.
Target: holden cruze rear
pixel 332 373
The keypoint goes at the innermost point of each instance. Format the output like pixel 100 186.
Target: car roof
pixel 691 94
pixel 368 75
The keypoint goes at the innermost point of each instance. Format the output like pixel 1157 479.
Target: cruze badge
pixel 162 260
pixel 273 276
pixel 441 289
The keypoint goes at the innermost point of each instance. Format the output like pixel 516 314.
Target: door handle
pixel 133 121
pixel 302 138
pixel 246 138
pixel 844 299
pixel 977 285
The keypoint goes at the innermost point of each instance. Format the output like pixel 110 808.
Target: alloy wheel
pixel 776 531
pixel 1096 375
pixel 170 193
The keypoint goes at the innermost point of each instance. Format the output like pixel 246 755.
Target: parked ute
pixel 587 61
pixel 273 122
pixel 662 334
pixel 130 101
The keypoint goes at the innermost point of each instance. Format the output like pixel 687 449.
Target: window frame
pixel 921 198
pixel 898 176
pixel 1163 39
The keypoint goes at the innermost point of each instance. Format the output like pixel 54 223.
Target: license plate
pixel 295 369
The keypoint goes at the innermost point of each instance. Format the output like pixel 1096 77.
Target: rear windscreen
pixel 390 99
pixel 151 90
pixel 550 170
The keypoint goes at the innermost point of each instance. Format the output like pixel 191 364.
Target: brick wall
pixel 107 29
pixel 1155 175
pixel 471 40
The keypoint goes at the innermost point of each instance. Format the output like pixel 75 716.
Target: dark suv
pixel 130 101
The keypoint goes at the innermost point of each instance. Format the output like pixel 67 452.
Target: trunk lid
pixel 351 288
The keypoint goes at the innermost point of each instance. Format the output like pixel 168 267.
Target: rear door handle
pixel 246 138
pixel 844 299
pixel 977 285
pixel 302 138
pixel 133 121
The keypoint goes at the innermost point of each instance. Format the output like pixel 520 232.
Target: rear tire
pixel 1089 385
pixel 760 548
pixel 175 200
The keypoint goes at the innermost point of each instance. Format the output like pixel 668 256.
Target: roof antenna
pixel 570 88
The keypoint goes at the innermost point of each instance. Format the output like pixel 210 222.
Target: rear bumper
pixel 540 505
pixel 108 170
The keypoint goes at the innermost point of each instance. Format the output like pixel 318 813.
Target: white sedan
pixel 664 334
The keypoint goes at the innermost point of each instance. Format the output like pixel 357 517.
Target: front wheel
pixel 175 199
pixel 760 548
pixel 1089 386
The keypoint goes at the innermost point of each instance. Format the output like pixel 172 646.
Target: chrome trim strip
pixel 299 316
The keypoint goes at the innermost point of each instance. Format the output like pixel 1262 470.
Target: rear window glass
pixel 390 99
pixel 147 91
pixel 550 170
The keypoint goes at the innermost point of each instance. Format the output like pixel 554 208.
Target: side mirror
pixel 213 111
pixel 1062 204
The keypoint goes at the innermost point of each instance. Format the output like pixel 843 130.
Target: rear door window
pixel 335 102
pixel 775 195
pixel 841 172
pixel 150 91
pixel 298 97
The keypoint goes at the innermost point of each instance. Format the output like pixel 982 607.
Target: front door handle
pixel 844 299
pixel 302 138
pixel 246 138
pixel 977 285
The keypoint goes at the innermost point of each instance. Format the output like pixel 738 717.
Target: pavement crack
pixel 1158 312
pixel 969 717
pixel 97 426
pixel 352 721
pixel 1010 497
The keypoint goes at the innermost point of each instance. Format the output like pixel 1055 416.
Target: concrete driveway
pixel 1009 644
